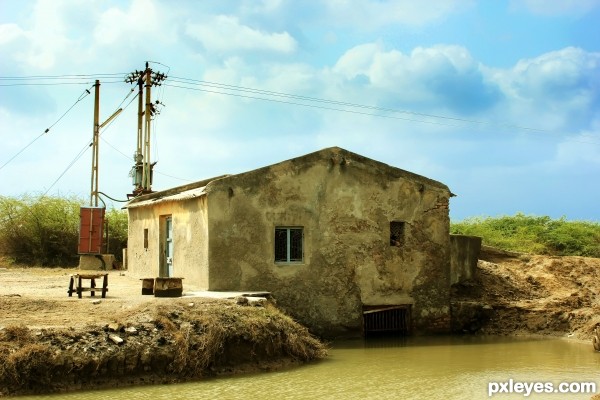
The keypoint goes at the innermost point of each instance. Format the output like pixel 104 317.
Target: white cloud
pixel 144 21
pixel 224 34
pixel 45 41
pixel 439 76
pixel 9 33
pixel 556 89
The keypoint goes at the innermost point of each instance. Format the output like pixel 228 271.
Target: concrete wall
pixel 464 254
pixel 96 261
pixel 345 204
pixel 190 233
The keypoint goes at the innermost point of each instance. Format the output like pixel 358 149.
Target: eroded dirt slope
pixel 522 294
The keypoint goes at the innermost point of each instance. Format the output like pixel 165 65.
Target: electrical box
pixel 91 229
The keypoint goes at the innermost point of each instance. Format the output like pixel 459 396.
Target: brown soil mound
pixel 531 294
pixel 51 342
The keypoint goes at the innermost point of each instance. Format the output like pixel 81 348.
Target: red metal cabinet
pixel 91 228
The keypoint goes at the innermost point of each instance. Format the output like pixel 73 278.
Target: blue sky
pixel 500 100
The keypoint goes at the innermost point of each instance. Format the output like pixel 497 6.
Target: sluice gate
pixel 386 320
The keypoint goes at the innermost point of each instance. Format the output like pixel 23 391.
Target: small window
pixel 146 238
pixel 288 245
pixel 397 233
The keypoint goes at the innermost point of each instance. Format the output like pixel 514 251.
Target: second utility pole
pixel 142 169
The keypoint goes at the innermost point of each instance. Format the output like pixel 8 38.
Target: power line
pixel 88 145
pixel 243 89
pixel 460 121
pixel 281 97
pixel 77 157
pixel 87 82
pixel 59 80
pixel 340 103
pixel 171 176
pixel 317 106
pixel 81 97
pixel 63 76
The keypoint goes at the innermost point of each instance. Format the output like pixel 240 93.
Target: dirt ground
pixel 38 297
pixel 534 294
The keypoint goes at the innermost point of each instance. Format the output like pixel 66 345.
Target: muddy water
pixel 417 368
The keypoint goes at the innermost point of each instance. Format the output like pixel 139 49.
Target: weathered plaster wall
pixel 464 251
pixel 345 205
pixel 190 245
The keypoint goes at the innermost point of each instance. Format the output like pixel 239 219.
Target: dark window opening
pixel 288 245
pixel 397 233
pixel 146 238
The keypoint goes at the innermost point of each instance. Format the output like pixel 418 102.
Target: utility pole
pixel 94 189
pixel 142 169
pixel 95 142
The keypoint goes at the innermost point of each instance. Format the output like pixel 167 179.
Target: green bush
pixel 533 234
pixel 117 232
pixel 44 230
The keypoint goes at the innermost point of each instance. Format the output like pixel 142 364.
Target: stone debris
pixel 131 330
pixel 95 302
pixel 116 339
pixel 241 300
pixel 256 301
pixel 114 327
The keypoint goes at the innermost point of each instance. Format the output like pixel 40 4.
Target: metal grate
pixel 387 319
pixel 288 245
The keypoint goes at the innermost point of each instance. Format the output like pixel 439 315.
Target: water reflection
pixel 397 368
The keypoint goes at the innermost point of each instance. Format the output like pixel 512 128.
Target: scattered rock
pixel 131 330
pixel 116 339
pixel 98 301
pixel 256 301
pixel 114 327
pixel 241 300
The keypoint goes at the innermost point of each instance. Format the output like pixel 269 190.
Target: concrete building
pixel 345 244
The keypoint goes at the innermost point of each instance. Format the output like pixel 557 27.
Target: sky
pixel 499 100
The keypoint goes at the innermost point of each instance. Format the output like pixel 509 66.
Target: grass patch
pixel 535 235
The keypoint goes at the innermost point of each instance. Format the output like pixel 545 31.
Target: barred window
pixel 397 233
pixel 289 245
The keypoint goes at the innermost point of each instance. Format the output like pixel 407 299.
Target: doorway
pixel 167 245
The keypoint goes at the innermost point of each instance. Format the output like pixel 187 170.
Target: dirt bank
pixel 518 294
pixel 50 342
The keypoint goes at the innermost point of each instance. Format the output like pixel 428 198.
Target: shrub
pixel 117 232
pixel 39 229
pixel 533 234
pixel 44 230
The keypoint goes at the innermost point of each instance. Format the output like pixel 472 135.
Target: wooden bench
pixel 168 287
pixel 77 279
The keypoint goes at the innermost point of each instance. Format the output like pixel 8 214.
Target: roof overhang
pixel 181 196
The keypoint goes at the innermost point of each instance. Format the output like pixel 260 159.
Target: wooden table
pixel 77 281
